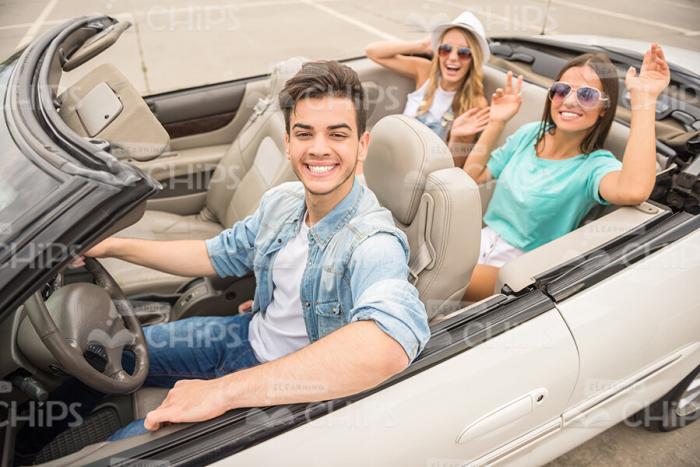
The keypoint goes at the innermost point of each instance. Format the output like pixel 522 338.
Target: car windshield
pixel 22 184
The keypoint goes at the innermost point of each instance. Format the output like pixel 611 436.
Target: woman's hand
pixel 505 103
pixel 470 123
pixel 425 46
pixel 653 77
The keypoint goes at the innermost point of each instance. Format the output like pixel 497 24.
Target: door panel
pixel 419 420
pixel 185 175
pixel 195 126
pixel 580 426
pixel 186 107
pixel 636 320
pixel 198 110
pixel 183 205
pixel 202 123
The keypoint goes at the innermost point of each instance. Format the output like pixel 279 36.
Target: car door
pixel 637 331
pixel 638 334
pixel 489 380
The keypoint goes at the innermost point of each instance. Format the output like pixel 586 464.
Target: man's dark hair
pixel 324 78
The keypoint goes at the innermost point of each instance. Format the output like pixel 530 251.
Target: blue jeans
pixel 193 348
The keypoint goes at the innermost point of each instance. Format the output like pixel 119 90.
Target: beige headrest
pixel 402 153
pixel 282 71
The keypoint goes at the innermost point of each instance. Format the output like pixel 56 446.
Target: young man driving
pixel 333 314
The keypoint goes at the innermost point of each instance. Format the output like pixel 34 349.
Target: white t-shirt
pixel 442 101
pixel 283 330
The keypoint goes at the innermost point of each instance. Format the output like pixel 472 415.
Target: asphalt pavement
pixel 184 43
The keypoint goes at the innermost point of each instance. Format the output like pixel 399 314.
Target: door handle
pixel 504 415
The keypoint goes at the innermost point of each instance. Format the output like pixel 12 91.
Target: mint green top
pixel 537 200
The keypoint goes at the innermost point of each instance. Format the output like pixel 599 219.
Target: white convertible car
pixel 588 330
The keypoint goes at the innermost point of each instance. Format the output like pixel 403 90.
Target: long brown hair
pixel 472 90
pixel 607 73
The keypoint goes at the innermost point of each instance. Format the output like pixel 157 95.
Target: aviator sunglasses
pixel 586 96
pixel 463 52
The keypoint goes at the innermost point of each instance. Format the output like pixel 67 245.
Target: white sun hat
pixel 467 21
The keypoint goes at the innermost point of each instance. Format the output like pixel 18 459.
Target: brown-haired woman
pixel 551 173
pixel 449 96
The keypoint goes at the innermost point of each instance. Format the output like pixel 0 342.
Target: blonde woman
pixel 449 96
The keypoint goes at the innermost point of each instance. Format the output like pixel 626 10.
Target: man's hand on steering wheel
pixel 93 318
pixel 101 250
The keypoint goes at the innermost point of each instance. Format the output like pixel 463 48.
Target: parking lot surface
pixel 184 43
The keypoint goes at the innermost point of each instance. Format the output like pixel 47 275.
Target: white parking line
pixel 41 20
pixel 162 10
pixel 36 25
pixel 15 26
pixel 615 14
pixel 682 5
pixel 353 21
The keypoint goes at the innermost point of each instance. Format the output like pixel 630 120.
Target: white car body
pixel 600 356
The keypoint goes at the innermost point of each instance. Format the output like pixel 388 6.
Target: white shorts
pixel 494 250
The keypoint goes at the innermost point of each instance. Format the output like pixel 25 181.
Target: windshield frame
pixel 98 193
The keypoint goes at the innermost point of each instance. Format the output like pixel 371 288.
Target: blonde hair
pixel 471 93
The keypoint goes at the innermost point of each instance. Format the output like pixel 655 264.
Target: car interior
pixel 228 138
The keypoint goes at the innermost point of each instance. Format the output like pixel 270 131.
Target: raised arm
pixel 634 183
pixel 394 55
pixel 505 103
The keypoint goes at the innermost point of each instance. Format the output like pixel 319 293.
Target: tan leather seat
pixel 254 163
pixel 437 205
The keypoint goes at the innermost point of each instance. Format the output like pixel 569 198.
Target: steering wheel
pixel 95 321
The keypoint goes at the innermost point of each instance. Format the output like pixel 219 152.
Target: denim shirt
pixel 357 267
